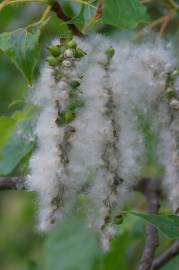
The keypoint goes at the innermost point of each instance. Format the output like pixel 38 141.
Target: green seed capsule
pixel 75 83
pixel 75 104
pixel 79 53
pixel 170 93
pixel 174 74
pixel 110 52
pixel 55 50
pixel 57 75
pixel 71 44
pixel 74 91
pixel 118 219
pixel 69 116
pixel 65 117
pixel 52 61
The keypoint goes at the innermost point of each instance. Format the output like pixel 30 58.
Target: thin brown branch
pixel 151 191
pixel 169 254
pixel 60 13
pixel 12 183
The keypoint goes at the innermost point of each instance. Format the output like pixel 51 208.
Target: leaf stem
pixel 56 7
pixel 82 2
pixel 12 183
pixel 42 19
pixel 174 4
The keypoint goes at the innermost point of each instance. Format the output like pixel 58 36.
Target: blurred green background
pixel 20 244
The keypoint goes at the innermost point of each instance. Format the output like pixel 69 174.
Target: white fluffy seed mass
pixel 123 128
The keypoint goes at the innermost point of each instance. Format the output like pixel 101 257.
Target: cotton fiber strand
pixel 118 127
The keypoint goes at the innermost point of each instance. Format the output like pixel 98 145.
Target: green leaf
pixel 16 149
pixel 79 20
pixel 71 247
pixel 116 259
pixel 21 116
pixel 125 14
pixel 172 264
pixel 125 247
pixel 22 47
pixel 7 126
pixel 168 224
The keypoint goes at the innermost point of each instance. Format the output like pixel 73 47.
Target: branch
pixel 151 190
pixel 12 183
pixel 169 254
pixel 60 13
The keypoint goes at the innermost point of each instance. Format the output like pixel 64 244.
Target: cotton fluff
pixel 123 132
pixel 47 172
pixel 139 79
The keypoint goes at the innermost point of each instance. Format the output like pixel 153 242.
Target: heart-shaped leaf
pixel 22 47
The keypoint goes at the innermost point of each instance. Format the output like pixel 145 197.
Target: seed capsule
pixel 170 93
pixel 71 44
pixel 68 53
pixel 110 52
pixel 66 63
pixel 79 53
pixel 69 117
pixel 174 104
pixel 55 50
pixel 52 61
pixel 118 219
pixel 75 83
pixel 174 74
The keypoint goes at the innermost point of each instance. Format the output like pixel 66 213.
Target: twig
pixel 169 254
pixel 60 13
pixel 42 19
pixel 174 4
pixel 12 183
pixel 152 192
